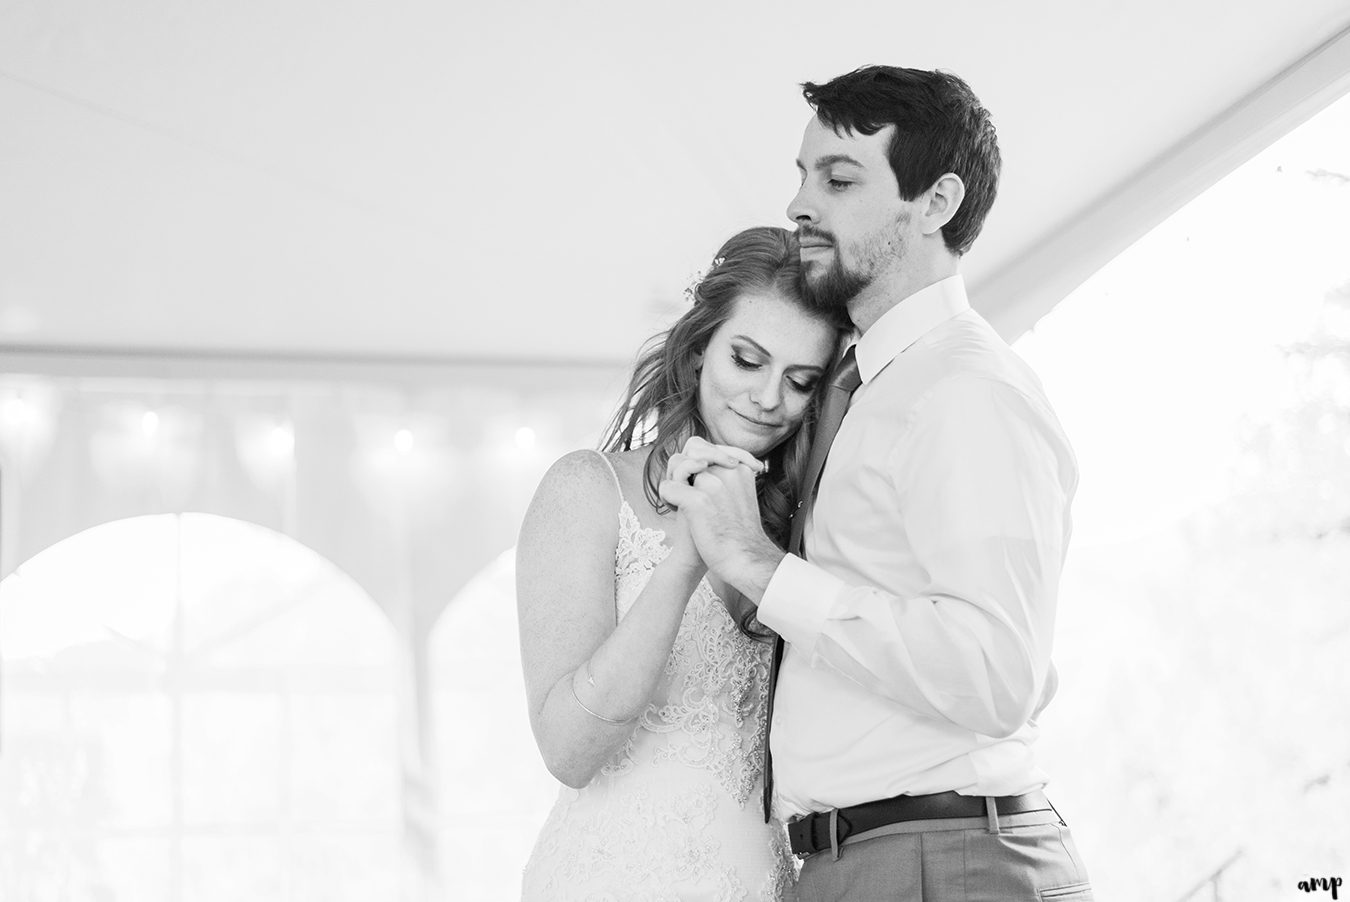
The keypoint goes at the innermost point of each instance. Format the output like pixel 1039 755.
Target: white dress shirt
pixel 919 625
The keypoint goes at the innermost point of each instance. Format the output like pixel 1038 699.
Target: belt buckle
pixel 805 826
pixel 799 822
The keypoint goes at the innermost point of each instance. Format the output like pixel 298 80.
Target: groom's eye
pixel 838 184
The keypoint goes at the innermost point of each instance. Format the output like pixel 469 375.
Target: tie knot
pixel 846 376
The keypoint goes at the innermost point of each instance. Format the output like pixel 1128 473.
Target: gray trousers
pixel 1031 858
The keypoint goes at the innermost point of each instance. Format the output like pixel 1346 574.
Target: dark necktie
pixel 844 381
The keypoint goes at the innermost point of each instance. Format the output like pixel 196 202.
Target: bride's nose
pixel 767 394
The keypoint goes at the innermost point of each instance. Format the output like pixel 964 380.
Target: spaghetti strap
pixel 612 472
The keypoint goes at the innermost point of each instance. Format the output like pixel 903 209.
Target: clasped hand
pixel 713 489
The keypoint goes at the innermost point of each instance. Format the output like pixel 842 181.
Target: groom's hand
pixel 714 488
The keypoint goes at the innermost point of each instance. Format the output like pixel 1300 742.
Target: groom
pixel 918 610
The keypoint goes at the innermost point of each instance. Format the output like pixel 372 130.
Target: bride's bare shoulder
pixel 589 486
pixel 578 478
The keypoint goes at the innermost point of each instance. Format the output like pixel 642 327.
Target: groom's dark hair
pixel 940 125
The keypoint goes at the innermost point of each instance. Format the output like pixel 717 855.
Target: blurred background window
pixel 1204 378
pixel 195 708
pixel 498 791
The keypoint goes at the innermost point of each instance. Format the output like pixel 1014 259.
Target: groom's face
pixel 851 220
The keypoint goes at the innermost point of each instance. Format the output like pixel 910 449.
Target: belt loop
pixel 991 808
pixel 834 833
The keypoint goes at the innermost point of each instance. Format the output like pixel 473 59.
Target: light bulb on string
pixel 15 413
pixel 525 438
pixel 149 423
pixel 27 419
pixel 403 441
pixel 281 442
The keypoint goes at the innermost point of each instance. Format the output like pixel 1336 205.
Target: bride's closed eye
pixel 743 363
pixel 804 388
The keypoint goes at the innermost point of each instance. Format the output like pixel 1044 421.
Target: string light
pixel 403 441
pixel 525 438
pixel 282 441
pixel 150 423
pixel 16 413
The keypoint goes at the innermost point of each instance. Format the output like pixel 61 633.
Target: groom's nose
pixel 801 209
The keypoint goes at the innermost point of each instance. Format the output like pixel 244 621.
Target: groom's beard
pixel 833 288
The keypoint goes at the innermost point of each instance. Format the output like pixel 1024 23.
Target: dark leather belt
pixel 811 834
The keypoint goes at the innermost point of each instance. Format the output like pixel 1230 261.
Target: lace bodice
pixel 674 815
pixel 709 706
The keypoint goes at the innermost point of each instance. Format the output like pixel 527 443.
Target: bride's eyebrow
pixel 750 341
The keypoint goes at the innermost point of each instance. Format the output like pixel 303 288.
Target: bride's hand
pixel 701 456
pixel 683 551
pixel 698 454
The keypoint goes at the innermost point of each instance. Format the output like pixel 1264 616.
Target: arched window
pixel 495 790
pixel 195 708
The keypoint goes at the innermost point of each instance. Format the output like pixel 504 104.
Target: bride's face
pixel 759 371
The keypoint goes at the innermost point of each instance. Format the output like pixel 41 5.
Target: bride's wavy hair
pixel 660 407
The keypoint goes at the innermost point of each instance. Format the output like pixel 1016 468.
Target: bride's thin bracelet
pixel 572 684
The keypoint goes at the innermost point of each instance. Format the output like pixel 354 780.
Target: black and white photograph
pixel 702 452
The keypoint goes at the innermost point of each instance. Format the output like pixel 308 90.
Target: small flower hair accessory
pixel 691 293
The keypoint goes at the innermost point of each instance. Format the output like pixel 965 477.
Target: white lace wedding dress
pixel 675 816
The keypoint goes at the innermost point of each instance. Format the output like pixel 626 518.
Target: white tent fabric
pixel 538 181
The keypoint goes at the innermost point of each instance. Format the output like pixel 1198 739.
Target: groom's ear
pixel 941 202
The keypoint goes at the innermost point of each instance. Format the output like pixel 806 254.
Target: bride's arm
pixel 586 678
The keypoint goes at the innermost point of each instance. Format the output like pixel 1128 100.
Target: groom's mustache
pixel 809 235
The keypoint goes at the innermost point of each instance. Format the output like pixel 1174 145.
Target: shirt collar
pixel 907 322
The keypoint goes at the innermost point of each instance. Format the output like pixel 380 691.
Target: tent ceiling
pixel 530 180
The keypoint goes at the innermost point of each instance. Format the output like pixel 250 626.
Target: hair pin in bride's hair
pixel 691 293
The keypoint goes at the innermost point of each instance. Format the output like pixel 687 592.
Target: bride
pixel 646 678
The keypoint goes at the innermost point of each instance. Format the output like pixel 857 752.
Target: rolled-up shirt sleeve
pixel 983 481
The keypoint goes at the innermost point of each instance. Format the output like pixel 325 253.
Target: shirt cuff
pixel 797 601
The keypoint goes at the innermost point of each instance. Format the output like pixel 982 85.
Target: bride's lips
pixel 760 423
